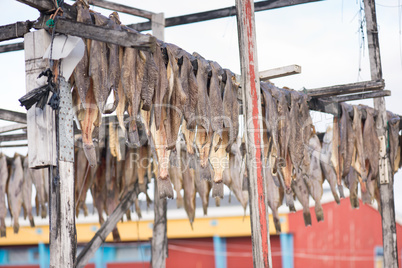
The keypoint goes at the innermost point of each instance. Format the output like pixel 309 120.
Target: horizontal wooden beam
pixel 12 127
pixel 280 72
pixel 13 116
pixel 324 106
pixel 219 13
pixel 88 252
pixel 360 96
pixel 122 8
pixel 13 145
pixel 13 137
pixel 15 30
pixel 346 88
pixel 118 37
pixel 48 6
pixel 12 47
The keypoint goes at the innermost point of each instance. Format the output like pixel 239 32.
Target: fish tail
pixel 133 138
pixel 165 188
pixel 340 189
pixel 90 153
pixel 2 228
pixel 366 196
pixel 277 224
pixel 354 201
pixel 31 221
pixel 289 200
pixel 217 201
pixel 128 215
pixel 16 227
pixel 116 235
pixel 307 218
pixel 217 190
pixel 43 212
pixel 319 212
pixel 179 202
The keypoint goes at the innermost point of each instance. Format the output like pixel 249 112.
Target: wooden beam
pixel 346 88
pixel 13 145
pixel 47 6
pixel 320 105
pixel 11 47
pixel 15 30
pixel 122 8
pixel 280 72
pixel 386 178
pixel 13 137
pixel 219 13
pixel 360 96
pixel 252 111
pixel 13 116
pixel 88 252
pixel 12 127
pixel 99 33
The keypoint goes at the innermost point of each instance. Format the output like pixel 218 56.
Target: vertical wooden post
pixel 40 123
pixel 61 194
pixel 387 188
pixel 254 142
pixel 159 235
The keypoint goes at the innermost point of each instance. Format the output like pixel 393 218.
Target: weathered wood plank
pixel 13 116
pixel 11 47
pixel 252 108
pixel 122 8
pixel 346 88
pixel 319 105
pixel 359 96
pixel 88 252
pixel 46 6
pixel 13 145
pixel 219 13
pixel 89 31
pixel 40 123
pixel 13 137
pixel 280 72
pixel 15 30
pixel 386 189
pixel 12 127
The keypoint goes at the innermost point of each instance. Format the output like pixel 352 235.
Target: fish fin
pixel 165 188
pixel 217 190
pixel 307 218
pixel 319 213
pixel 340 189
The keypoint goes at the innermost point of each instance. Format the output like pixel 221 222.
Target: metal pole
pixel 253 119
pixel 385 180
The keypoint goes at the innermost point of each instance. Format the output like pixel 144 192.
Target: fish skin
pixel 351 181
pixel 98 65
pixel 3 184
pixel 343 139
pixel 315 179
pixel 275 196
pixel 149 82
pixel 176 175
pixel 203 188
pixel 215 98
pixel 335 155
pixel 326 164
pixel 299 187
pixel 98 188
pixel 358 160
pixel 38 179
pixel 393 132
pixel 27 192
pixel 14 191
pixel 161 60
pixel 219 159
pixel 189 189
pixel 81 71
pixel 271 116
pixel 231 108
pixel 81 183
pixel 371 145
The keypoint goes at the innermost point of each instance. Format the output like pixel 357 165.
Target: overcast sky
pixel 323 38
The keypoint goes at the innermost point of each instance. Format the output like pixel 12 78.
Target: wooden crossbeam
pixel 99 33
pixel 13 116
pixel 219 13
pixel 12 47
pixel 47 6
pixel 13 137
pixel 100 236
pixel 15 30
pixel 122 8
pixel 13 145
pixel 360 96
pixel 346 88
pixel 12 127
pixel 280 72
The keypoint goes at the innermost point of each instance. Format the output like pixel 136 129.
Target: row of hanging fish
pixel 167 91
pixel 16 181
pixel 297 163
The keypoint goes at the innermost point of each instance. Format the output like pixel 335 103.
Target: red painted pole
pixel 253 119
